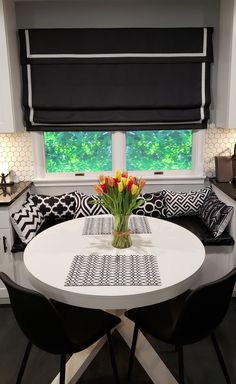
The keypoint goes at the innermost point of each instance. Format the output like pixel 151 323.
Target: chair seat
pixel 92 323
pixel 159 319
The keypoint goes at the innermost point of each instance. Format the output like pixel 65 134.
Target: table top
pixel 48 257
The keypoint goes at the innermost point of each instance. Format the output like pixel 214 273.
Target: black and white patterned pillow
pixel 27 221
pixel 215 214
pixel 154 205
pixel 57 207
pixel 85 208
pixel 185 203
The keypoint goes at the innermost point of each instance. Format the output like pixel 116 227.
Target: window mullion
pixel 118 151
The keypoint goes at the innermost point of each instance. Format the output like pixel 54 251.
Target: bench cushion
pixel 195 225
pixel 192 223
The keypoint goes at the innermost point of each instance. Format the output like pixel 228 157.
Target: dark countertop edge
pixel 228 188
pixel 17 194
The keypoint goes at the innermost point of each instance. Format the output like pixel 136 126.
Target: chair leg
pixel 113 361
pixel 181 363
pixel 24 362
pixel 220 358
pixel 62 369
pixel 132 351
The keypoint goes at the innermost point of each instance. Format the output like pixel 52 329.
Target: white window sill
pixel 90 181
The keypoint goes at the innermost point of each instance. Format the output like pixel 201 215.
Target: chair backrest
pixel 37 317
pixel 204 309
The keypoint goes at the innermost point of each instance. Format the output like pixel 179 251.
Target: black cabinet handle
pixel 4 243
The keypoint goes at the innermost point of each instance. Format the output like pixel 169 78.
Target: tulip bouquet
pixel 120 195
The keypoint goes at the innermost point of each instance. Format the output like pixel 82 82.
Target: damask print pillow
pixel 58 207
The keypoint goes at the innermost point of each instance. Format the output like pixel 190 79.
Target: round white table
pixel 49 255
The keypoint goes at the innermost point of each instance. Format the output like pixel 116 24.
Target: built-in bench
pixel 192 223
pixel 220 250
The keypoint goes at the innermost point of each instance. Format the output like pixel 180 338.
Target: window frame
pixel 193 176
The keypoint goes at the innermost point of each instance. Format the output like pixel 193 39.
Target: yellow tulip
pixel 120 186
pixel 134 189
pixel 125 181
pixel 118 175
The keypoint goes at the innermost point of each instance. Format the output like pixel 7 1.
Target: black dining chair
pixel 186 319
pixel 56 327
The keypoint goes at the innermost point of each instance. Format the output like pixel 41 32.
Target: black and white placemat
pixel 104 225
pixel 94 270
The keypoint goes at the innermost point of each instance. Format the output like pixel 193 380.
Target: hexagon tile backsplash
pixel 16 149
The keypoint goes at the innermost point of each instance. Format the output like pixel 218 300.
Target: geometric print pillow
pixel 85 208
pixel 153 206
pixel 185 203
pixel 57 207
pixel 215 214
pixel 27 221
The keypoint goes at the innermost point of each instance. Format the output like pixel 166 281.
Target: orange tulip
pixel 98 189
pixel 111 181
pixel 141 183
pixel 102 179
pixel 134 179
pixel 124 174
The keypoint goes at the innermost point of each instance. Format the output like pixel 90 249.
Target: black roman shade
pixel 116 79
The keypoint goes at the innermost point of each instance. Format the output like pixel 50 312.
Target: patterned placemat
pixel 113 270
pixel 104 225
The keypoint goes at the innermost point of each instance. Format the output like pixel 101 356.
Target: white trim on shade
pixel 113 55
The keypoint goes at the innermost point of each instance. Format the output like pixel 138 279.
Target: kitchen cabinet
pixel 226 61
pixel 11 200
pixel 11 116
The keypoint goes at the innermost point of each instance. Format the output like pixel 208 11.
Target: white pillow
pixel 27 221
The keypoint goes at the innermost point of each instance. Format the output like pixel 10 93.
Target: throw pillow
pixel 85 208
pixel 27 221
pixel 58 207
pixel 215 214
pixel 185 203
pixel 154 205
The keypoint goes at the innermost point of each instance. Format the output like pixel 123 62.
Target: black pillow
pixel 85 208
pixel 153 206
pixel 215 214
pixel 58 207
pixel 185 203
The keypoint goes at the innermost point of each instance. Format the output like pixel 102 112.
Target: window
pixel 163 150
pixel 78 151
pixel 178 152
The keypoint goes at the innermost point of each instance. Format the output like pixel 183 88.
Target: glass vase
pixel 121 233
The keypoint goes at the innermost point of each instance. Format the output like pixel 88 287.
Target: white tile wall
pixel 16 149
pixel 219 142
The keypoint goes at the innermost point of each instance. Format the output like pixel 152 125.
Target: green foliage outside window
pixel 78 151
pixel 160 150
pixel 92 151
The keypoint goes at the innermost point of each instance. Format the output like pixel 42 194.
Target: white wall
pixel 117 13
